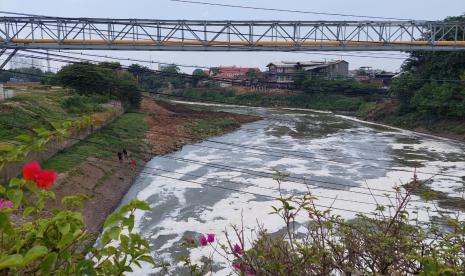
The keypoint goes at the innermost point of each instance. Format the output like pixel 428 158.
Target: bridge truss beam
pixel 194 35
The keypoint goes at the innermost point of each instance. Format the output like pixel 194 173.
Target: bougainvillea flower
pixel 238 249
pixel 5 204
pixel 236 265
pixel 203 240
pixel 45 179
pixel 31 170
pixel 249 271
pixel 210 238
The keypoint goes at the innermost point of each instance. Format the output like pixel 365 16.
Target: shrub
pixel 84 104
pixel 105 79
pixel 388 242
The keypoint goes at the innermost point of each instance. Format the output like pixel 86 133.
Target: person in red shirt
pixel 133 163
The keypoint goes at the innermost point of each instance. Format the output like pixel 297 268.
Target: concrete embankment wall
pixel 13 169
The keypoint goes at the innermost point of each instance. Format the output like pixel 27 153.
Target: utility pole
pixel 48 63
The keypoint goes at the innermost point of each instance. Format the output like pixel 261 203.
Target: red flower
pixel 46 179
pixel 210 238
pixel 31 170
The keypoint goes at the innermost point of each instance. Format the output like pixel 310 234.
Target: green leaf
pixel 11 261
pixel 114 232
pixel 65 240
pixel 15 182
pixel 129 222
pixel 47 264
pixel 16 196
pixel 112 219
pixel 141 205
pixel 147 259
pixel 124 241
pixel 5 224
pixel 64 228
pixel 28 211
pixel 34 253
pixel 23 138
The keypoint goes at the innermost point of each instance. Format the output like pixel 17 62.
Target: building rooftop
pixel 304 63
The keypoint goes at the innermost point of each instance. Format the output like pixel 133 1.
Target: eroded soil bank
pixel 168 128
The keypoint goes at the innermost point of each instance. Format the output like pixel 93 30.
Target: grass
pixel 127 131
pixel 324 101
pixel 202 129
pixel 36 108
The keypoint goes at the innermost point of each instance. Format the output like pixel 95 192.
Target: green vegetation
pixel 28 74
pixel 105 79
pixel 429 92
pixel 197 76
pixel 127 131
pixel 202 129
pixel 389 241
pixel 300 100
pixel 169 76
pixel 337 86
pixel 41 107
pixel 426 192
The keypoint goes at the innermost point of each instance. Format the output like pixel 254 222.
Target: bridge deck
pixel 192 35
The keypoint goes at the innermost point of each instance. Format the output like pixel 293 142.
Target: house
pixel 227 75
pixel 284 71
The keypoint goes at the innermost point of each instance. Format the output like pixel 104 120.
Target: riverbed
pixel 347 164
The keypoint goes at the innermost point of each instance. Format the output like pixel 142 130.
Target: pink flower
pixel 31 170
pixel 236 266
pixel 5 204
pixel 210 238
pixel 203 240
pixel 238 249
pixel 249 271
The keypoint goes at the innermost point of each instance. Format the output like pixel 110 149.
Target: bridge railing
pixel 193 35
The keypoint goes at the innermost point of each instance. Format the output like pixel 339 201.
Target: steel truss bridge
pixel 194 35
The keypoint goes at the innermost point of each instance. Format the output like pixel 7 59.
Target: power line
pixel 216 32
pixel 276 198
pixel 219 166
pixel 290 11
pixel 371 194
pixel 294 179
pixel 264 195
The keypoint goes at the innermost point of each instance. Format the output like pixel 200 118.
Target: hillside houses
pixel 284 72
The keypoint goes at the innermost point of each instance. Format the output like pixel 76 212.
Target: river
pixel 348 164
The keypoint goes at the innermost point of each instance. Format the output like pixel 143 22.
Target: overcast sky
pixel 165 9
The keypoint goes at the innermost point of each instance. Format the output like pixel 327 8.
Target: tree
pixel 215 70
pixel 110 65
pixel 299 77
pixel 424 72
pixel 31 74
pixel 85 78
pixel 5 76
pixel 197 76
pixel 361 72
pixel 90 79
pixel 138 72
pixel 171 74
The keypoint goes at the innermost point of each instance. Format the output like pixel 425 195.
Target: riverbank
pixel 385 113
pixel 364 108
pixel 321 101
pixel 91 167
